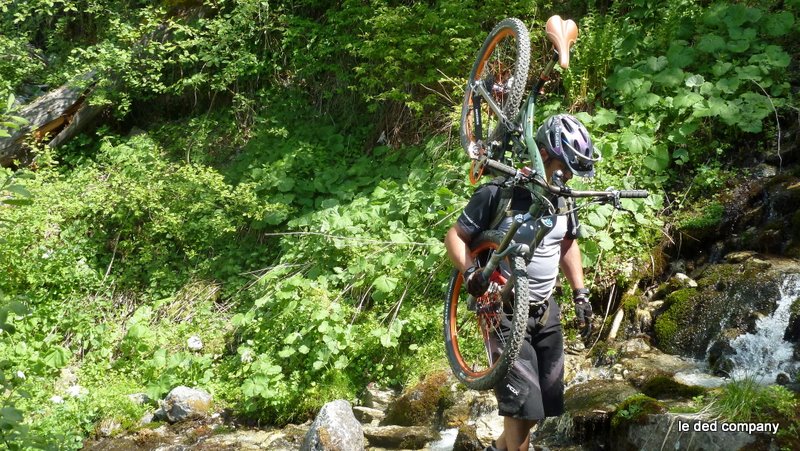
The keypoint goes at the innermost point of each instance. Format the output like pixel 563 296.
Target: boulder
pixel 662 431
pixel 378 398
pixel 368 415
pixel 334 429
pixel 184 403
pixel 419 404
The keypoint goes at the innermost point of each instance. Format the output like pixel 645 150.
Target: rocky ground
pixel 440 414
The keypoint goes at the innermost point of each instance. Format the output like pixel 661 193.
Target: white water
pixel 446 442
pixel 765 354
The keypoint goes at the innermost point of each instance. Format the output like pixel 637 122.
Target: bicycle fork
pixel 509 247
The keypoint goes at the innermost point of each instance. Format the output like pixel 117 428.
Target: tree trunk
pixel 53 119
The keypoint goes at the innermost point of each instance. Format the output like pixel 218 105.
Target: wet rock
pixel 634 346
pixel 727 294
pixel 792 333
pixel 661 431
pixel 399 437
pixel 719 360
pixel 184 403
pixel 419 404
pixel 467 440
pixel 783 379
pixel 334 429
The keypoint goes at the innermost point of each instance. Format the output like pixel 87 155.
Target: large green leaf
pixel 779 24
pixel 385 284
pixel 711 43
pixel 658 160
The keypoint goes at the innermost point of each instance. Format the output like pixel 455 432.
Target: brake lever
pixel 617 201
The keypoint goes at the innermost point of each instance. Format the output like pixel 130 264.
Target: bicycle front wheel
pixel 479 352
pixel 501 67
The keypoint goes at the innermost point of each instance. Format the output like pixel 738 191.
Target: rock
pixel 335 429
pixel 739 257
pixel 467 440
pixel 139 398
pixel 661 431
pixel 108 427
pixel 194 343
pixel 378 398
pixel 147 419
pixel 184 403
pixel 488 427
pixel 635 346
pixel 783 379
pixel 368 415
pixel 399 437
pixel 286 439
pixel 419 404
pixel 681 280
pixel 764 170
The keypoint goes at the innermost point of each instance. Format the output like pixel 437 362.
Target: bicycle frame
pixel 514 129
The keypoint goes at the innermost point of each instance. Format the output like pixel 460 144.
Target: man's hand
pixel 476 283
pixel 583 311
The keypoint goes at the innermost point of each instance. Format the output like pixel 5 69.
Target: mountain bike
pixel 498 136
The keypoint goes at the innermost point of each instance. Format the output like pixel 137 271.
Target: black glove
pixel 476 283
pixel 583 310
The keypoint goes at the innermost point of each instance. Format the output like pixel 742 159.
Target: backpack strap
pixel 504 204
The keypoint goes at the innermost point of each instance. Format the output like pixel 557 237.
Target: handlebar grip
pixel 498 166
pixel 633 193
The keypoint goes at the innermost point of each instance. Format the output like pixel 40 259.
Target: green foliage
pixel 709 216
pixel 635 409
pixel 746 400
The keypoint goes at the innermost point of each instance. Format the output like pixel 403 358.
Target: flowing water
pixel 764 355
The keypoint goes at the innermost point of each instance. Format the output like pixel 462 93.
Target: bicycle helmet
pixel 567 139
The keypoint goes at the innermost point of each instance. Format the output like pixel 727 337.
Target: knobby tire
pixel 489 63
pixel 456 313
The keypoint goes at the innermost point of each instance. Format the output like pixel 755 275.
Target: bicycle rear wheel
pixel 478 353
pixel 502 67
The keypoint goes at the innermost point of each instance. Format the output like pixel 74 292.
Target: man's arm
pixel 457 248
pixel 571 264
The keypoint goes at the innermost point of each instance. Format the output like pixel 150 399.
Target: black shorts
pixel 534 386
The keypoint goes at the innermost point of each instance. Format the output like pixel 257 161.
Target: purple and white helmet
pixel 567 139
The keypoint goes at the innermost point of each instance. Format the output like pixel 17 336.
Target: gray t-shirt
pixel 543 267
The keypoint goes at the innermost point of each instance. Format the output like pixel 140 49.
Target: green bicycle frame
pixel 526 117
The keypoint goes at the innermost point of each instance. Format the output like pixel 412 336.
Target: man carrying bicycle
pixel 534 386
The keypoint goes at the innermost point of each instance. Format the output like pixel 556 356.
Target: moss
pixel 630 302
pixel 635 410
pixel 418 405
pixel 665 387
pixel 666 325
pixel 795 307
pixel 707 218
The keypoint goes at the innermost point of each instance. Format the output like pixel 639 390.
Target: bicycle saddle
pixel 562 34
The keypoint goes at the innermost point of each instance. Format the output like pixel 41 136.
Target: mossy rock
pixel 726 296
pixel 418 405
pixel 635 409
pixel 792 333
pixel 665 387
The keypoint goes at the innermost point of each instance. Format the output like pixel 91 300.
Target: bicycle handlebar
pixel 564 191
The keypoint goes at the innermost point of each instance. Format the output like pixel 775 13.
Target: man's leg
pixel 516 434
